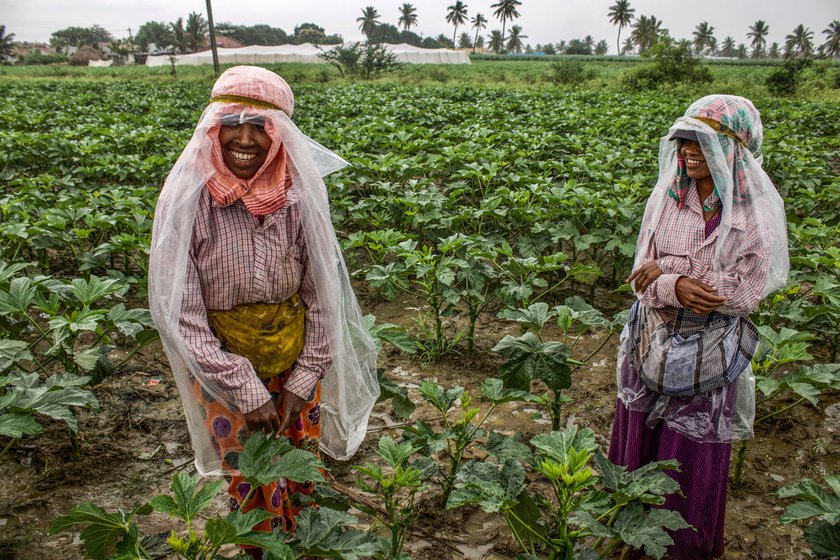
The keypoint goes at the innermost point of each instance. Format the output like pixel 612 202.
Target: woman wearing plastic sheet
pixel 712 244
pixel 249 290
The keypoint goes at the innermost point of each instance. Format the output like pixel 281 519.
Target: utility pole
pixel 213 39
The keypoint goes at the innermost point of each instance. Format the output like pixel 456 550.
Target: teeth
pixel 693 161
pixel 242 156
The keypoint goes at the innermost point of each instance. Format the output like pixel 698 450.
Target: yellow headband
pixel 244 101
pixel 721 128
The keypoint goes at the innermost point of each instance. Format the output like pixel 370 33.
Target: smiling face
pixel 695 161
pixel 245 147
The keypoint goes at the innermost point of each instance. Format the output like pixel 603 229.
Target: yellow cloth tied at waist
pixel 270 335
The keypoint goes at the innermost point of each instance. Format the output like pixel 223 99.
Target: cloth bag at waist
pixel 681 354
pixel 270 335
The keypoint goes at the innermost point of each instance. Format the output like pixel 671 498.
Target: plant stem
pixel 780 411
pixel 8 445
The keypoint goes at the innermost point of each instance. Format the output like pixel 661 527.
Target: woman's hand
pixel 645 275
pixel 292 407
pixel 697 296
pixel 264 418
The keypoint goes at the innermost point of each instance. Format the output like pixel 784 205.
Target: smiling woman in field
pixel 712 245
pixel 249 290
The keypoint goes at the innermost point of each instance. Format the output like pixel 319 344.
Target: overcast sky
pixel 542 21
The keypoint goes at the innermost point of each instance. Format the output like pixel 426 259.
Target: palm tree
pixel 179 35
pixel 773 52
pixel 629 46
pixel 758 34
pixel 515 40
pixel 621 14
pixel 479 22
pixel 646 32
pixel 495 44
pixel 798 43
pixel 602 48
pixel 408 16
pixel 831 47
pixel 368 21
pixel 506 10
pixel 196 31
pixel 589 42
pixel 456 14
pixel 6 44
pixel 728 47
pixel 703 36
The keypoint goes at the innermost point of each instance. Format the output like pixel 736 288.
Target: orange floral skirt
pixel 228 433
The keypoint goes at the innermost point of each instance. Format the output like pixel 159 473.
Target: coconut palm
pixel 621 14
pixel 704 35
pixel 514 42
pixel 479 22
pixel 758 34
pixel 602 48
pixel 179 36
pixel 408 16
pixel 727 49
pixel 646 31
pixel 368 21
pixel 589 42
pixel 773 51
pixel 506 10
pixel 197 30
pixel 629 46
pixel 831 47
pixel 456 14
pixel 6 44
pixel 495 44
pixel 799 42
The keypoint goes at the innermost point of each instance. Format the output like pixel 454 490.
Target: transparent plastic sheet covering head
pixel 747 195
pixel 350 386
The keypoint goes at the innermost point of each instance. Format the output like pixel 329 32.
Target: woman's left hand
pixel 645 275
pixel 290 407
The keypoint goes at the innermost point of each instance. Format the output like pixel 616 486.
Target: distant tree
pixel 629 47
pixel 506 10
pixel 196 31
pixel 79 37
pixel 799 43
pixel 831 47
pixel 589 41
pixel 465 41
pixel 368 21
pixel 6 44
pixel 179 35
pixel 727 49
pixel 758 33
pixel 479 22
pixel 387 33
pixel 157 32
pixel 259 34
pixel 444 41
pixel 408 16
pixel 774 51
pixel 646 31
pixel 704 37
pixel 514 42
pixel 742 51
pixel 561 46
pixel 621 14
pixel 602 48
pixel 456 14
pixel 577 46
pixel 310 33
pixel 548 48
pixel 495 44
pixel 479 42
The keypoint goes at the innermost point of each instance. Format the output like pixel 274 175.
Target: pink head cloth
pixel 253 82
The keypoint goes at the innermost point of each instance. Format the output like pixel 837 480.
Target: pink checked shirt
pixel 681 248
pixel 235 260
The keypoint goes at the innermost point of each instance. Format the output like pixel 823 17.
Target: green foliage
pixel 396 485
pixel 570 72
pixel 365 61
pixel 599 512
pixel 787 78
pixel 823 534
pixel 673 63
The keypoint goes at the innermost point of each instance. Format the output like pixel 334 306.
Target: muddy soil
pixel 139 438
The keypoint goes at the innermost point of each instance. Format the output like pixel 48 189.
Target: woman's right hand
pixel 264 418
pixel 697 296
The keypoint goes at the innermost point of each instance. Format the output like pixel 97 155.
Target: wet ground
pixel 134 444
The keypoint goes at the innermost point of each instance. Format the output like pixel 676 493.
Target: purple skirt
pixel 703 480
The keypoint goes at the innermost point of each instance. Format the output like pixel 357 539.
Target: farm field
pixel 471 212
